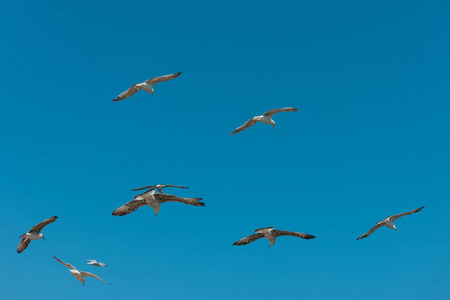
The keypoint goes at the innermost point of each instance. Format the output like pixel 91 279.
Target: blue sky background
pixel 370 139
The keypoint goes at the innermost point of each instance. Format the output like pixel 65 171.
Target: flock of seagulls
pixel 154 200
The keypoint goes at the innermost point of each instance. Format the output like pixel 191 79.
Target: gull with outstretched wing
pixel 93 262
pixel 266 118
pixel 154 200
pixel 389 222
pixel 271 234
pixel 146 86
pixel 159 187
pixel 79 275
pixel 34 234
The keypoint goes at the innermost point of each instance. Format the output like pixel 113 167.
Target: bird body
pixel 32 235
pixel 268 234
pixel 271 234
pixel 388 222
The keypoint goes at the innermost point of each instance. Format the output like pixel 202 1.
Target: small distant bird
pixel 266 118
pixel 95 263
pixel 146 86
pixel 33 234
pixel 154 200
pixel 79 275
pixel 271 234
pixel 389 222
pixel 160 187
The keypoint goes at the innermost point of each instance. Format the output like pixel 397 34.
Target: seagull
pixel 79 275
pixel 33 234
pixel 154 200
pixel 160 187
pixel 146 85
pixel 271 234
pixel 266 118
pixel 389 222
pixel 95 263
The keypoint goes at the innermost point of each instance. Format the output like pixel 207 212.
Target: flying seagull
pixel 389 222
pixel 146 86
pixel 160 187
pixel 266 118
pixel 79 275
pixel 154 200
pixel 33 234
pixel 93 262
pixel 271 234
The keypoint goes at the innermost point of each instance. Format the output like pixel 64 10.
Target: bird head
pixel 395 227
pixel 273 124
pixel 41 236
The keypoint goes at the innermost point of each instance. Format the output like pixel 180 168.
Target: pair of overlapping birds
pixel 154 200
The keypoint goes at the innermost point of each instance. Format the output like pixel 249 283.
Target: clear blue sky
pixel 370 139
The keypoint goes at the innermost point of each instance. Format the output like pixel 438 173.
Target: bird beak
pixel 43 238
pixel 273 126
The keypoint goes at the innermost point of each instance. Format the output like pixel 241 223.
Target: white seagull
pixel 34 234
pixel 266 118
pixel 154 200
pixel 271 234
pixel 79 275
pixel 160 187
pixel 146 86
pixel 389 222
pixel 93 262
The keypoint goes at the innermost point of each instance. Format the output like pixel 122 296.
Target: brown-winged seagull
pixel 154 200
pixel 33 234
pixel 146 86
pixel 79 275
pixel 160 187
pixel 266 118
pixel 271 234
pixel 93 262
pixel 389 222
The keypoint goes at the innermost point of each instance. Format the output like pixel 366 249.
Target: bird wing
pixel 249 239
pixel 87 274
pixel 395 217
pixel 130 92
pixel 129 207
pixel 270 113
pixel 24 242
pixel 158 79
pixel 91 260
pixel 168 198
pixel 145 187
pixel 37 228
pixel 67 265
pixel 175 186
pixel 246 125
pixel 371 230
pixel 291 233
